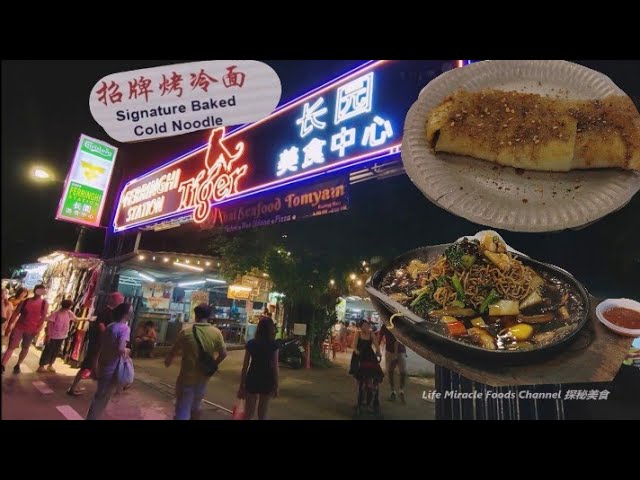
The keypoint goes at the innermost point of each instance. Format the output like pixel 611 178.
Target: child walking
pixel 57 331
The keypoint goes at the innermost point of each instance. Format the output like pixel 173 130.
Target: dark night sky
pixel 42 124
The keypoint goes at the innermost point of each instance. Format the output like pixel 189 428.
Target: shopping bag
pixel 124 372
pixel 238 411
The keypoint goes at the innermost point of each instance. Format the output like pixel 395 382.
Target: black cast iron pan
pixel 429 333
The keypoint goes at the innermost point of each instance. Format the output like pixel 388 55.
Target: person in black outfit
pixel 94 335
pixel 365 367
pixel 259 379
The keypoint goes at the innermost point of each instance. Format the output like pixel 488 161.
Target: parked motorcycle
pixel 291 352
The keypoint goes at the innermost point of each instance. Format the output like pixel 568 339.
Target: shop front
pixel 76 277
pixel 297 163
pixel 165 287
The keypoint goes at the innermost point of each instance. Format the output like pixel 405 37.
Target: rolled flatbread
pixel 533 132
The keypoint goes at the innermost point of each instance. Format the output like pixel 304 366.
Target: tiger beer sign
pixel 188 184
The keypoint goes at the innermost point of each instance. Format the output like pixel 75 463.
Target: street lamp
pixel 41 174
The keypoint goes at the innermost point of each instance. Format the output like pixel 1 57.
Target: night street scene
pixel 321 240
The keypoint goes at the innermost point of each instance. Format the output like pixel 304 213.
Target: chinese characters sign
pixel 177 99
pixel 337 125
pixel 354 119
pixel 87 183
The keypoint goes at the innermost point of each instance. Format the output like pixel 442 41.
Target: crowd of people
pixel 200 345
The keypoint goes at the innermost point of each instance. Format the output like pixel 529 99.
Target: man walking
pixel 29 317
pixel 395 356
pixel 192 342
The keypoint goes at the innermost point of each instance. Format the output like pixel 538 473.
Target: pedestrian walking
pixel 28 317
pixel 259 377
pixel 94 335
pixel 14 300
pixel 57 330
pixel 113 350
pixel 198 344
pixel 395 356
pixel 365 367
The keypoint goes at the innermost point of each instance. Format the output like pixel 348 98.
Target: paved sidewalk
pixel 316 394
pixel 42 396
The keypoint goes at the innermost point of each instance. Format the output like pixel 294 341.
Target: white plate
pixel 618 302
pixel 499 197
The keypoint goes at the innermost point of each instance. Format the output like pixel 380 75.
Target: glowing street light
pixel 352 276
pixel 332 282
pixel 359 283
pixel 40 173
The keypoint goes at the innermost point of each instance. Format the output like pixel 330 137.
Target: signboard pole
pixel 81 235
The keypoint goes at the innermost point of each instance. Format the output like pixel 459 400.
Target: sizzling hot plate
pixel 427 332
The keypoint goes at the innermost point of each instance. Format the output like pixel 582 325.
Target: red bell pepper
pixel 456 329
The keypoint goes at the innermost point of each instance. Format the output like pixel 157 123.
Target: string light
pixel 166 259
pixel 332 282
pixel 352 276
pixel 359 283
pixel 190 267
pixel 208 264
pixel 140 257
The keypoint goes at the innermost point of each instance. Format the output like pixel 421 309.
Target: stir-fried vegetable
pixel 520 332
pixel 531 300
pixel 423 304
pixel 544 318
pixel 519 346
pixel 454 255
pixel 490 299
pixel 448 319
pixel 481 336
pixel 457 285
pixel 456 328
pixel 478 322
pixel 500 260
pixel 564 313
pixel 453 311
pixel 504 307
pixel 468 261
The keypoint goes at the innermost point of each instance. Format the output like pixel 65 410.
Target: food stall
pixel 165 287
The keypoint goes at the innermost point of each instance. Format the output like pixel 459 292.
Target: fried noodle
pixel 512 284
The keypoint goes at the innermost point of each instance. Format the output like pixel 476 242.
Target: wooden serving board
pixel 598 362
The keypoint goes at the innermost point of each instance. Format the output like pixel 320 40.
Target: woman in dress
pixel 259 378
pixel 365 367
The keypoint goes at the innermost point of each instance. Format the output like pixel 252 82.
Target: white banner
pixel 177 99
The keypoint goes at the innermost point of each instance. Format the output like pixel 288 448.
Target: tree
pixel 301 270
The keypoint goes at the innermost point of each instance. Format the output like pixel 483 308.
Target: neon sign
pixel 354 119
pixel 188 184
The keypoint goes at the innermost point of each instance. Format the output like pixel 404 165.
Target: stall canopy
pixel 168 267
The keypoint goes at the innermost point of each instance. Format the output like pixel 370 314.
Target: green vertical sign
pixel 87 183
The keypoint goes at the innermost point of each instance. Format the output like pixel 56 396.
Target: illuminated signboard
pixel 354 119
pixel 87 183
